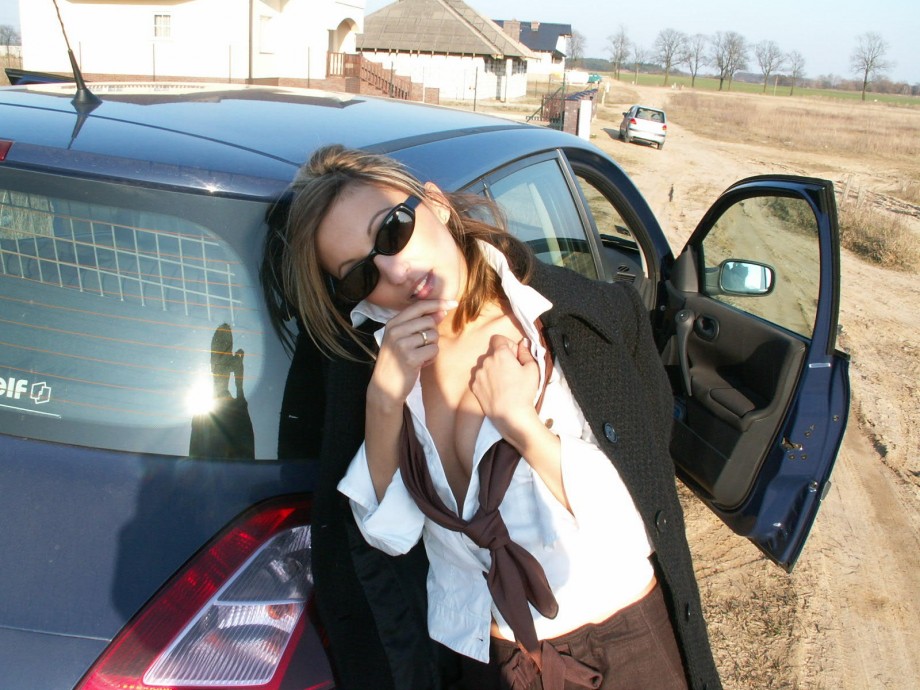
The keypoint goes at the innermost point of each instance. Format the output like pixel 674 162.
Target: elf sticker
pixel 39 392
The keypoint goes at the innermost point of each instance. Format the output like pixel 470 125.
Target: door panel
pixel 742 374
pixel 762 395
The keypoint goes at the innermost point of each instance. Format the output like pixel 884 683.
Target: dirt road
pixel 849 614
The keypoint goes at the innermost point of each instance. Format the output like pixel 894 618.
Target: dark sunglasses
pixel 392 237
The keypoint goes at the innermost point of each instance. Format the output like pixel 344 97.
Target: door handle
pixel 707 328
pixel 684 320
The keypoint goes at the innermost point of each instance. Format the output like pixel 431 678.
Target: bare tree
pixel 638 56
pixel 729 54
pixel 868 58
pixel 737 55
pixel 828 81
pixel 576 46
pixel 618 47
pixel 695 57
pixel 719 57
pixel 8 36
pixel 770 58
pixel 669 49
pixel 796 64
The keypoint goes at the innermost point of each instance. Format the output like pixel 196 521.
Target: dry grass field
pixel 817 125
pixel 872 227
pixel 6 61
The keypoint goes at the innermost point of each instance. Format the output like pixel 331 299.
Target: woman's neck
pixel 491 311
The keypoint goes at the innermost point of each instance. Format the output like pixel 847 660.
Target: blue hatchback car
pixel 154 489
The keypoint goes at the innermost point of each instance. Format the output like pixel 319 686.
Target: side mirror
pixel 747 278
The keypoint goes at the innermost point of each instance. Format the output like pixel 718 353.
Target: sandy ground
pixel 848 616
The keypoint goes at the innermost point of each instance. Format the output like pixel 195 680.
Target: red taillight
pixel 233 617
pixel 5 147
pixel 632 121
pixel 664 128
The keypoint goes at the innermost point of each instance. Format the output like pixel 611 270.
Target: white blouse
pixel 595 558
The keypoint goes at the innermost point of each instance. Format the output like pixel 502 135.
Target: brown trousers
pixel 634 649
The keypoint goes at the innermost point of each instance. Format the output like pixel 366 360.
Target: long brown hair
pixel 321 181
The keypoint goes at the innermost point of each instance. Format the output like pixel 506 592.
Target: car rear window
pixel 132 320
pixel 649 114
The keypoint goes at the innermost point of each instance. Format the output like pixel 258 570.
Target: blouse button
pixel 566 345
pixel 549 423
pixel 610 433
pixel 661 521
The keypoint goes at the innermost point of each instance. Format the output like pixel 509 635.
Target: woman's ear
pixel 438 201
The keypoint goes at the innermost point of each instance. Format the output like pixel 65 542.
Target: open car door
pixel 761 394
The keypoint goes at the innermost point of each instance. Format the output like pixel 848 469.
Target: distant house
pixel 550 43
pixel 446 44
pixel 273 41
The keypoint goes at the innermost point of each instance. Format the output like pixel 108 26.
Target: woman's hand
pixel 409 343
pixel 505 382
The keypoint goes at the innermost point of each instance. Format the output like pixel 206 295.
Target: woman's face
pixel 430 266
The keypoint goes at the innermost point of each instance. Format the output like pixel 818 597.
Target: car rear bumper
pixel 654 137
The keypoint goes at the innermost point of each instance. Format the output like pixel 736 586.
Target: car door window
pixel 762 257
pixel 541 210
pixel 621 252
pixel 606 216
pixel 626 261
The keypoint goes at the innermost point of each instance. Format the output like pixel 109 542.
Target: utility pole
pixel 251 29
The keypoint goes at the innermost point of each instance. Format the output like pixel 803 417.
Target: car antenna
pixel 85 100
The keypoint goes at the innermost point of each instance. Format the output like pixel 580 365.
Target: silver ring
pixel 424 338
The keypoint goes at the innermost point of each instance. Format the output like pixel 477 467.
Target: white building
pixel 447 45
pixel 224 40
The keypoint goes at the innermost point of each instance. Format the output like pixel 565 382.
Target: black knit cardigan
pixel 372 607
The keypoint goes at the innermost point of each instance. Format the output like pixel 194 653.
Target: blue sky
pixel 9 12
pixel 824 31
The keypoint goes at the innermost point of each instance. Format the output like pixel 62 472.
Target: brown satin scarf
pixel 515 577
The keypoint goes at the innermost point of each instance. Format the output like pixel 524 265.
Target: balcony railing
pixel 380 78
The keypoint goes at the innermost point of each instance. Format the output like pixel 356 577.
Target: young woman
pixel 512 417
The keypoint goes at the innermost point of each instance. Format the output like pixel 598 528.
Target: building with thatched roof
pixel 448 45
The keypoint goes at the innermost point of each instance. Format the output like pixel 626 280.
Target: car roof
pixel 223 138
